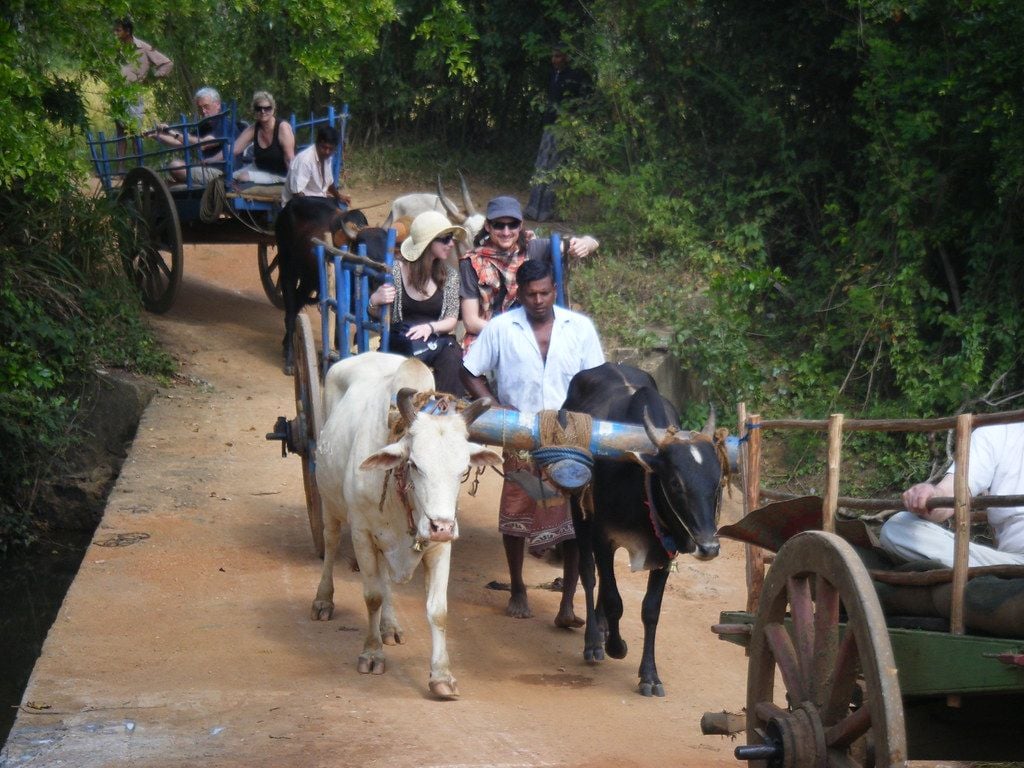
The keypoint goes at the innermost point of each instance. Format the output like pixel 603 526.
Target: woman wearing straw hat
pixel 425 299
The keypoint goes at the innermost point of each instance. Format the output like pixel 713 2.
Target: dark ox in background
pixel 303 219
pixel 680 514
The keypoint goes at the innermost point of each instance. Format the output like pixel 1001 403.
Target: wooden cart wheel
pixel 310 420
pixel 270 273
pixel 156 262
pixel 840 701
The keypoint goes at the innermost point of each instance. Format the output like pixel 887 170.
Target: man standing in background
pixel 141 59
pixel 564 85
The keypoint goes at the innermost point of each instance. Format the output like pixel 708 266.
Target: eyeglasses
pixel 445 239
pixel 264 108
pixel 505 225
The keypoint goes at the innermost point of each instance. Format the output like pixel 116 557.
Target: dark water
pixel 32 587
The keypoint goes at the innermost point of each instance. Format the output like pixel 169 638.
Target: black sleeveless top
pixel 427 311
pixel 270 159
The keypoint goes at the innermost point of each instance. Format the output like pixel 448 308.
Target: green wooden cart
pixel 835 680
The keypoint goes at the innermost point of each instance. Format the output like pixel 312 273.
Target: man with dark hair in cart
pixel 311 173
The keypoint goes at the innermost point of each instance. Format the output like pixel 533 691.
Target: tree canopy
pixel 830 194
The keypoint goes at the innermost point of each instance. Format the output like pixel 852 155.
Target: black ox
pixel 298 223
pixel 663 502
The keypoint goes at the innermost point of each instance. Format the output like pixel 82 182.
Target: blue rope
pixel 749 426
pixel 551 454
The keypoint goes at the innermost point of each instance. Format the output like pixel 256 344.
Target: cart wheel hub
pixel 292 435
pixel 793 740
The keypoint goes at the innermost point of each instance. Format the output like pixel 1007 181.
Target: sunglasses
pixel 505 225
pixel 265 108
pixel 445 239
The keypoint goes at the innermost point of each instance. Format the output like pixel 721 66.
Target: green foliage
pixel 418 163
pixel 65 309
pixel 844 177
pixel 816 206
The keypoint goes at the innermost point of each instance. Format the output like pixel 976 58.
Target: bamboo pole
pixel 961 532
pixel 751 500
pixel 835 454
pixel 961 522
pixel 894 425
pixel 881 505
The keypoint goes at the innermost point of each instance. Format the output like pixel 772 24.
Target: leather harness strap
pixel 668 543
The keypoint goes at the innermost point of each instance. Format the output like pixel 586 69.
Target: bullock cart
pixel 167 215
pixel 838 673
pixel 345 286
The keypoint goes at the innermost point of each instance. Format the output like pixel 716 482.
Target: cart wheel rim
pixel 840 701
pixel 270 273
pixel 155 262
pixel 309 407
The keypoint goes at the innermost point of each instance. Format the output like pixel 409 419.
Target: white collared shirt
pixel 524 380
pixel 308 176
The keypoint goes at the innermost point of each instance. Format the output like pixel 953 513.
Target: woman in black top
pixel 273 144
pixel 425 299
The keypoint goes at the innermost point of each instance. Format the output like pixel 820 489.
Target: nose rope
pixel 668 543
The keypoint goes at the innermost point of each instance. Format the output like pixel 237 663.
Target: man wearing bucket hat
pixel 533 351
pixel 425 299
pixel 488 272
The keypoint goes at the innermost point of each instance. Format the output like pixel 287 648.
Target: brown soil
pixel 186 636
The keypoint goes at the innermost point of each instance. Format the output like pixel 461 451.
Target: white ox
pixel 416 519
pixel 408 207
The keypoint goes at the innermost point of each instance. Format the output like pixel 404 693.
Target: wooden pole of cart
pixel 961 529
pixel 751 458
pixel 835 450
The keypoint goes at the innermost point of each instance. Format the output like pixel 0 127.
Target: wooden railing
pixel 751 460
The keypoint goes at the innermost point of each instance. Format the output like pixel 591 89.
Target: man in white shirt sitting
pixel 311 173
pixel 996 466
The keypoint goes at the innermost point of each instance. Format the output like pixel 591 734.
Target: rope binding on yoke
pixel 564 456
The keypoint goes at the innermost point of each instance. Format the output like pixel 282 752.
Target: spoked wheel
pixel 309 421
pixel 155 263
pixel 270 273
pixel 839 703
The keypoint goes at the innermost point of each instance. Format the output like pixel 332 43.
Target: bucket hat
pixel 504 207
pixel 426 228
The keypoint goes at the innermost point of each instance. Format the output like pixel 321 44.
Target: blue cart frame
pixel 167 215
pixel 347 312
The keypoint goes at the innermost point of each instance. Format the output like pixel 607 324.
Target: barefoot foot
pixel 518 606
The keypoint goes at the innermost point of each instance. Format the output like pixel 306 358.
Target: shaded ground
pixel 186 635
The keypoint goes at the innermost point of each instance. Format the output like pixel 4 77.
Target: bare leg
pixel 566 617
pixel 515 549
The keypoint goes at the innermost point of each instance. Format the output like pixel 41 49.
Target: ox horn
pixel 466 199
pixel 449 209
pixel 709 428
pixel 476 409
pixel 405 406
pixel 657 435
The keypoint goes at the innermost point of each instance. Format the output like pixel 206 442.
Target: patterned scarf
pixel 494 269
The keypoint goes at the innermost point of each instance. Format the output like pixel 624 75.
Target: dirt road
pixel 186 636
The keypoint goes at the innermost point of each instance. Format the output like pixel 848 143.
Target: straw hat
pixel 426 228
